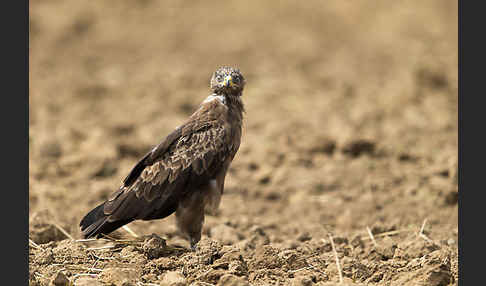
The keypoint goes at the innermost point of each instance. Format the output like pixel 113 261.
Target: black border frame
pixel 15 134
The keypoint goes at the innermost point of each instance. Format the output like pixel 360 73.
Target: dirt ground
pixel 349 140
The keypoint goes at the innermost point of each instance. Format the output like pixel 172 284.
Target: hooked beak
pixel 228 81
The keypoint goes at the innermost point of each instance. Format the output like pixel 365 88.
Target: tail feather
pixel 96 223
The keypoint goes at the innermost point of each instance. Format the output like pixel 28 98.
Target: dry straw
pixel 338 264
pixel 371 236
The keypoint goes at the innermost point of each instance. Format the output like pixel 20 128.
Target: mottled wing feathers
pixel 191 155
pixel 152 156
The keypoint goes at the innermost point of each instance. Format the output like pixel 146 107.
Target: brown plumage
pixel 185 173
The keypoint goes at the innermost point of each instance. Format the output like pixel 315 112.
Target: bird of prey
pixel 185 173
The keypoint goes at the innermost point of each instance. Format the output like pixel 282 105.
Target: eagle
pixel 185 173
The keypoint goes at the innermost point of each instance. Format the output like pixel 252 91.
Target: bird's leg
pixel 190 217
pixel 212 196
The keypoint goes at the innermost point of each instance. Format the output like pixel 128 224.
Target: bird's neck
pixel 235 105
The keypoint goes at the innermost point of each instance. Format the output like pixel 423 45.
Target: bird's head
pixel 228 81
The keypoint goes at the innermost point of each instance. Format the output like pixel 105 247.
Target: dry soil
pixel 350 139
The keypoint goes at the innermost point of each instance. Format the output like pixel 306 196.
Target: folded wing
pixel 189 157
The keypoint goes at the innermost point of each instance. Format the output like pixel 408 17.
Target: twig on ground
pixel 422 234
pixel 388 233
pixel 63 231
pixel 106 236
pixel 131 232
pixel 116 244
pixel 102 247
pixel 337 259
pixel 91 239
pixel 122 241
pixel 33 244
pixel 427 238
pixel 96 261
pixel 315 268
pixel 423 227
pixel 371 236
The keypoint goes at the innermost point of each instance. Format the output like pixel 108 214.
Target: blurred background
pixel 351 108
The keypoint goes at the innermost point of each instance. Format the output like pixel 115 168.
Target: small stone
pixel 118 276
pixel 386 248
pixel 154 246
pixel 232 280
pixel 41 230
pixel 383 252
pixel 60 280
pixel 45 233
pixel 173 278
pixel 208 251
